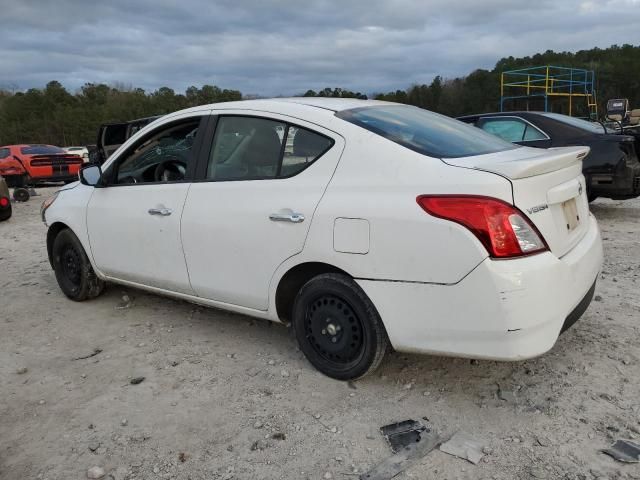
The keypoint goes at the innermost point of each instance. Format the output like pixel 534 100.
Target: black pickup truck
pixel 112 135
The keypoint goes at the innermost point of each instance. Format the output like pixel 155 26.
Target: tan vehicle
pixel 5 203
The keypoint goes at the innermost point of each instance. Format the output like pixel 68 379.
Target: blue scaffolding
pixel 549 83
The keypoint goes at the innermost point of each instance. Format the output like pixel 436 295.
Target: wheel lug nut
pixel 338 328
pixel 334 339
pixel 324 332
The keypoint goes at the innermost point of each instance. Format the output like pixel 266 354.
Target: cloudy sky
pixel 282 47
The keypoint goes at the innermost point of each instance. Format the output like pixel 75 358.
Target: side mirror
pixel 90 175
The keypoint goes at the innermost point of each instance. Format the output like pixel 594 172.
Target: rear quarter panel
pixel 379 181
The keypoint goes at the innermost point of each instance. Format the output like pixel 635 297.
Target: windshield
pixel 591 127
pixel 425 132
pixel 41 150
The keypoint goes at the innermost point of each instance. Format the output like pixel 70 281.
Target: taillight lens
pixel 4 202
pixel 503 230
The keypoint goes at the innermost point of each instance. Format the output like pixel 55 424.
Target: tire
pixel 6 214
pixel 21 194
pixel 338 328
pixel 74 273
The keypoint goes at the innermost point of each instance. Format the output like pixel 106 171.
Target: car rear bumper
pixel 503 310
pixel 618 186
pixel 54 178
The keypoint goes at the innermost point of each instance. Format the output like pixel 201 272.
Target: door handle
pixel 163 212
pixel 287 217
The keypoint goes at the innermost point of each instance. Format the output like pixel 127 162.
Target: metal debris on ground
pixel 426 441
pixel 624 451
pixel 402 434
pixel 463 445
pixel 125 303
pixel 96 351
pixel 136 380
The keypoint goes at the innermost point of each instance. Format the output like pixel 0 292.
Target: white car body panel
pixel 432 281
pixel 503 310
pixel 129 244
pixel 226 227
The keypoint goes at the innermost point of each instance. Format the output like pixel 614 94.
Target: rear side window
pixel 251 148
pixel 302 148
pixel 425 132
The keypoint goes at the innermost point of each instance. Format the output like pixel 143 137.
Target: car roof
pixel 29 145
pixel 311 104
pixel 503 114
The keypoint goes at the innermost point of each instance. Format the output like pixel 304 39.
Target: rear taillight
pixel 503 230
pixel 4 202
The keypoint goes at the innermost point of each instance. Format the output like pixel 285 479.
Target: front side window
pixel 164 155
pixel 4 153
pixel 425 132
pixel 251 148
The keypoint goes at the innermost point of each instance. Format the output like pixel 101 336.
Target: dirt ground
pixel 228 397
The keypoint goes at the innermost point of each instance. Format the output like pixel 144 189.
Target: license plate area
pixel 570 209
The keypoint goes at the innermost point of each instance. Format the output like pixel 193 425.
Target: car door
pixel 133 219
pixel 253 203
pixel 516 130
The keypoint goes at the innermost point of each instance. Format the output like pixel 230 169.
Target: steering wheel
pixel 170 170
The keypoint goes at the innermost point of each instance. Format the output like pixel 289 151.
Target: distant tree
pixel 53 115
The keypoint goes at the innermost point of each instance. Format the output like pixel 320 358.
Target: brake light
pixel 4 202
pixel 503 230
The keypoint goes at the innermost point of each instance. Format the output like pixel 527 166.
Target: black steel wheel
pixel 74 273
pixel 338 328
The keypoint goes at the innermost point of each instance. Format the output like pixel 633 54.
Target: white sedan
pixel 362 224
pixel 80 151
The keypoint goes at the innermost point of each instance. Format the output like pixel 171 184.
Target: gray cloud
pixel 285 46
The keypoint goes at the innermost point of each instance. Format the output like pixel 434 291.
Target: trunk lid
pixel 548 187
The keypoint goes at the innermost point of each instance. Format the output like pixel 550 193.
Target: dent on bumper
pixel 503 310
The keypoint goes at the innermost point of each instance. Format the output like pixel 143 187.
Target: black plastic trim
pixel 577 312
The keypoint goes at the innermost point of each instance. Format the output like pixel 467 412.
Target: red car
pixel 22 165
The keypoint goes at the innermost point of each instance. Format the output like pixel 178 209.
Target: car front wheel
pixel 74 273
pixel 338 328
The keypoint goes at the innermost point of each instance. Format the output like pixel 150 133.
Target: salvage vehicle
pixel 81 151
pixel 382 225
pixel 12 169
pixel 112 135
pixel 611 168
pixel 5 201
pixel 24 165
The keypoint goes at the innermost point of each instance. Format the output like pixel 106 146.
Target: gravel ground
pixel 225 396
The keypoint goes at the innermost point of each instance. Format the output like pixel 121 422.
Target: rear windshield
pixel 576 122
pixel 41 150
pixel 425 132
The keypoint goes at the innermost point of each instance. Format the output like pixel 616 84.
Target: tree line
pixel 53 115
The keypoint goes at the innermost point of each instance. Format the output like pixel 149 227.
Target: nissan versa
pixel 363 224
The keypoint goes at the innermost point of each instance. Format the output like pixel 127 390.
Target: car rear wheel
pixel 21 194
pixel 338 328
pixel 74 273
